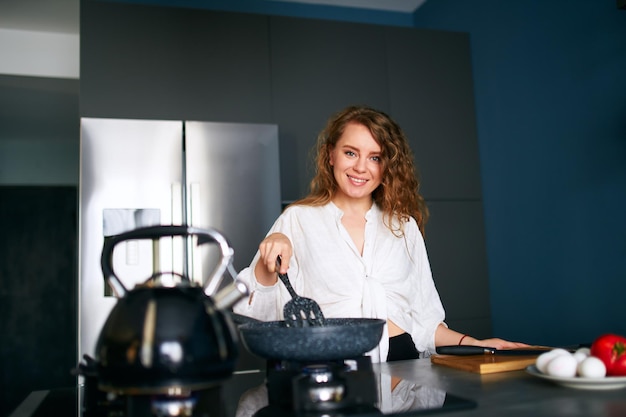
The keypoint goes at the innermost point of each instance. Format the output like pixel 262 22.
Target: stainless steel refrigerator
pixel 136 173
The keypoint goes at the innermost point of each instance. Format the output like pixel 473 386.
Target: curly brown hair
pixel 398 194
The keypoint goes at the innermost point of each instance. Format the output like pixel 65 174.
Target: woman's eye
pixel 350 153
pixel 376 158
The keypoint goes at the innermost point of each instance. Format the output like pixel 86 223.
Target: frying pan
pixel 338 338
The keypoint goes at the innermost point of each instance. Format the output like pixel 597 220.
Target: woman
pixel 355 243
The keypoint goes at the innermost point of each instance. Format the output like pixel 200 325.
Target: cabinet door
pixel 173 63
pixel 319 67
pixel 455 239
pixel 432 97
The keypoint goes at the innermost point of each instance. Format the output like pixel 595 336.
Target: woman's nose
pixel 360 165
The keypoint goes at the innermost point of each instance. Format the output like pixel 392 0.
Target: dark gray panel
pixel 431 93
pixel 318 68
pixel 38 266
pixel 37 108
pixel 151 62
pixel 455 240
pixel 39 162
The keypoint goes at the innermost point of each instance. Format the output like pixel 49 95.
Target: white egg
pixel 542 360
pixel 591 367
pixel 563 366
pixel 582 354
pixel 584 350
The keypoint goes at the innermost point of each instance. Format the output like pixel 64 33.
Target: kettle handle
pixel 154 232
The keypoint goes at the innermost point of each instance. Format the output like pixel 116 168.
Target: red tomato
pixel 611 349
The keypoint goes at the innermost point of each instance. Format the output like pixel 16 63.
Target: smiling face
pixel 356 164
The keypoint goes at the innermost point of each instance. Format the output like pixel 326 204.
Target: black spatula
pixel 299 311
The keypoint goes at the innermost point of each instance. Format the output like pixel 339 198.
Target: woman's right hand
pixel 273 246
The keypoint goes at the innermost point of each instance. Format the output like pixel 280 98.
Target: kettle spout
pixel 230 295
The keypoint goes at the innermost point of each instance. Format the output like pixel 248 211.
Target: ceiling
pixel 32 83
pixel 62 16
pixel 40 15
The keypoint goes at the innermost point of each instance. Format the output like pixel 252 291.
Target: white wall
pixel 39 54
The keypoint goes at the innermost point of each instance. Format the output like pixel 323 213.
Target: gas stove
pixel 348 387
pixel 352 387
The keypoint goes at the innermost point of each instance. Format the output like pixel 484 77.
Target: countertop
pixel 511 394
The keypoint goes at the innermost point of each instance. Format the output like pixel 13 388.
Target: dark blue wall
pixel 550 91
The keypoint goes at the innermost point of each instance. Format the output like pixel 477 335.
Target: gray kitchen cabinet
pixel 294 72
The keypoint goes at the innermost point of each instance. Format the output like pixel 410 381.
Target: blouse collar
pixel 370 215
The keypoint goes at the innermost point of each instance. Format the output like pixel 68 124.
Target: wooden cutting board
pixel 484 364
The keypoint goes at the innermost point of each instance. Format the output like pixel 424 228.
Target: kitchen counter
pixel 510 394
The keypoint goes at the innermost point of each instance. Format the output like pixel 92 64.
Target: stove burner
pixel 165 406
pixel 168 401
pixel 321 387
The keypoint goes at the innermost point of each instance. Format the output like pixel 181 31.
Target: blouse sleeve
pixel 426 310
pixel 264 302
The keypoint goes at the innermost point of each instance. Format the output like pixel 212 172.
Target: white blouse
pixel 391 280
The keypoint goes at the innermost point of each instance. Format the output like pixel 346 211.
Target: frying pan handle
pixel 155 232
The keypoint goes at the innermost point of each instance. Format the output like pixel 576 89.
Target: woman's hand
pixel 273 246
pixel 496 343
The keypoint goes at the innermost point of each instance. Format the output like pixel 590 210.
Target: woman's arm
pixel 445 336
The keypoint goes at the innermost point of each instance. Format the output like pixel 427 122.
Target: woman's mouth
pixel 357 180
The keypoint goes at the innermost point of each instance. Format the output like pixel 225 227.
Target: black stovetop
pixel 245 394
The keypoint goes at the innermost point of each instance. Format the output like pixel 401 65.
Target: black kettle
pixel 172 339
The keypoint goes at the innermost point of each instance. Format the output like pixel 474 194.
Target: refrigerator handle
pixel 194 210
pixel 179 249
